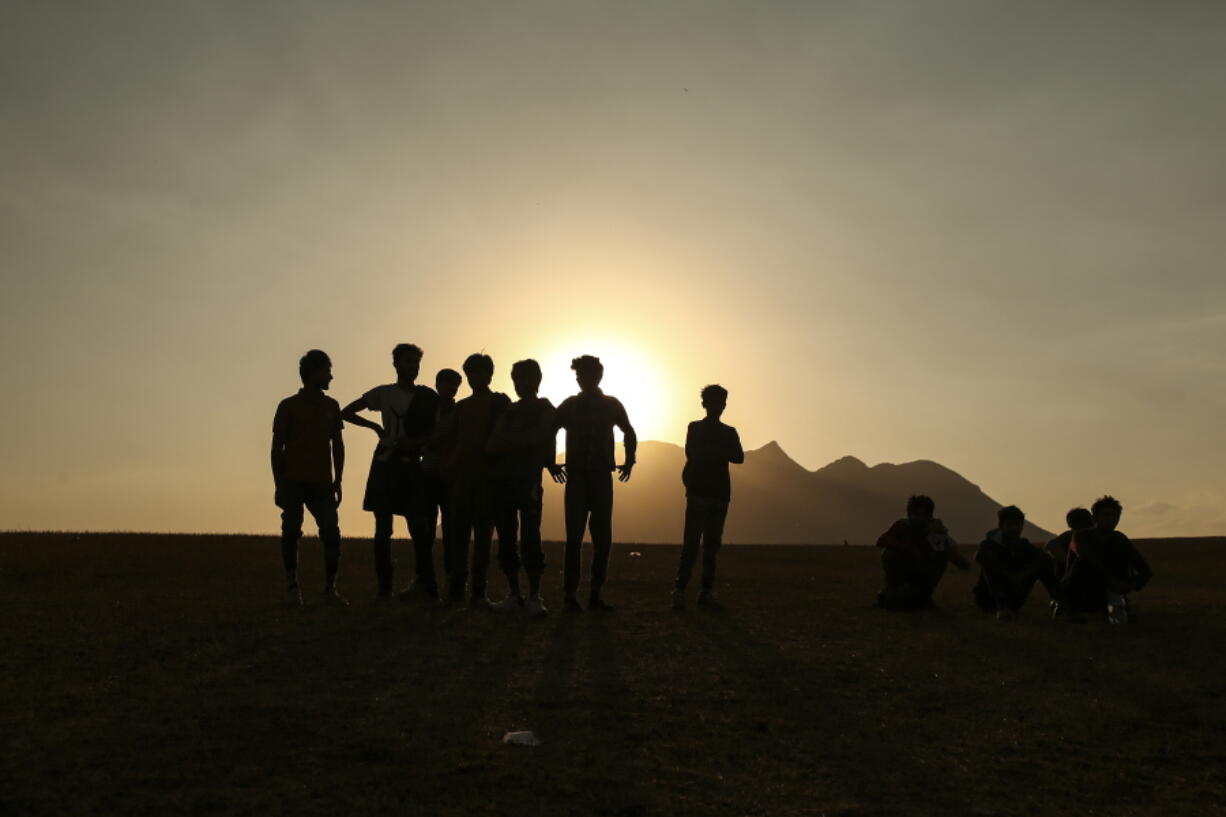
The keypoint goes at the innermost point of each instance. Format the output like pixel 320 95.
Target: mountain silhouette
pixel 775 500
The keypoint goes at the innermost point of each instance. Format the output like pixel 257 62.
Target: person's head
pixel 1106 510
pixel 1079 519
pixel 526 375
pixel 588 371
pixel 920 509
pixel 447 383
pixel 315 369
pixel 1010 520
pixel 479 369
pixel 406 359
pixel 714 400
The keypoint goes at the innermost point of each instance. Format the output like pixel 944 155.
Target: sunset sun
pixel 630 374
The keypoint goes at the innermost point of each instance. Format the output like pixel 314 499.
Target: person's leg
pixel 321 502
pixel 483 537
pixel 600 523
pixel 421 529
pixel 291 529
pixel 906 583
pixel 530 506
pixel 575 502
pixel 383 552
pixel 461 526
pixel 506 522
pixel 712 540
pixel 696 511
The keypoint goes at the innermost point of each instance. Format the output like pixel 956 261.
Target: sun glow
pixel 630 375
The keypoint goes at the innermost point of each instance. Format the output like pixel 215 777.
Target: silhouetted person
pixel 396 485
pixel 472 511
pixel 522 445
pixel 589 418
pixel 1104 566
pixel 709 447
pixel 308 459
pixel 1077 519
pixel 1010 565
pixel 915 552
pixel 447 384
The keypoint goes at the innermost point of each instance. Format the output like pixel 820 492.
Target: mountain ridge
pixel 776 500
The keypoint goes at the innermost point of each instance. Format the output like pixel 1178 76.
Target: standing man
pixel 447 384
pixel 589 418
pixel 308 458
pixel 522 446
pixel 472 511
pixel 709 447
pixel 396 486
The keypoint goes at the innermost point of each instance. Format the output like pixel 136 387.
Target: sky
pixel 988 234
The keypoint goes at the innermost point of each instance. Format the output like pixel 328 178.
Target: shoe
pixel 596 605
pixel 708 599
pixel 535 607
pixel 1056 612
pixel 415 591
pixel 1117 608
pixel 509 603
pixel 333 597
pixel 678 600
pixel 293 595
pixel 572 605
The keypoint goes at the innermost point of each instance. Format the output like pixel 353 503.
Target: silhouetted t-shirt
pixel 308 421
pixel 405 412
pixel 525 462
pixel 709 447
pixel 472 422
pixel 588 418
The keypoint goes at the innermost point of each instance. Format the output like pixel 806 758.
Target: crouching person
pixel 1104 567
pixel 1009 567
pixel 1078 519
pixel 915 553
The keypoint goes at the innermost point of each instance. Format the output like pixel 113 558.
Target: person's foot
pixel 333 597
pixel 535 607
pixel 599 605
pixel 478 601
pixel 1056 610
pixel 416 591
pixel 708 599
pixel 572 605
pixel 678 600
pixel 1117 608
pixel 293 595
pixel 512 603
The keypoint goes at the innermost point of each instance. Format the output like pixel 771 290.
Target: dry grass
pixel 161 675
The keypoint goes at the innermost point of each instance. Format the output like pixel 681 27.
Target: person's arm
pixel 350 415
pixel 556 423
pixel 1140 568
pixel 736 454
pixel 279 432
pixel 629 439
pixel 338 462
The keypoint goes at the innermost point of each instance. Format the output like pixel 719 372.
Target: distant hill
pixel 775 500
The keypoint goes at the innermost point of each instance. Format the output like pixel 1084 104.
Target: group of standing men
pixel 1090 568
pixel 476 466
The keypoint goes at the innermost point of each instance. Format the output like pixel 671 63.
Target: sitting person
pixel 1078 519
pixel 915 552
pixel 1104 566
pixel 1010 565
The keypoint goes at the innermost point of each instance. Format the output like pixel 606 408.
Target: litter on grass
pixel 524 738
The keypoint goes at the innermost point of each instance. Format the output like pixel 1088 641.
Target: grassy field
pixel 162 675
